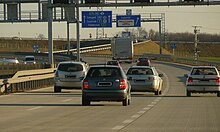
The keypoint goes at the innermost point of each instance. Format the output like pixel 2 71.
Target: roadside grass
pixel 213 59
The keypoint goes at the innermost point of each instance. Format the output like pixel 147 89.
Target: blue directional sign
pixel 128 21
pixel 173 46
pixel 96 19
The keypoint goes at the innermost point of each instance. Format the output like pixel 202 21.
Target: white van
pixel 29 60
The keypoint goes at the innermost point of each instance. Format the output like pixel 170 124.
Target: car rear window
pixel 29 59
pixel 140 71
pixel 204 71
pixel 143 59
pixel 104 72
pixel 70 67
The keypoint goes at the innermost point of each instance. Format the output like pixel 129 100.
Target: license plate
pixel 70 76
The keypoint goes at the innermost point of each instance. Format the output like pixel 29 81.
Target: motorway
pixel 45 111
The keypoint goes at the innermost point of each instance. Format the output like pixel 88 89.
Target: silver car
pixel 203 79
pixel 69 75
pixel 106 83
pixel 145 79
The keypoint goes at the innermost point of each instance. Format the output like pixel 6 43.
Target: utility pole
pixel 196 31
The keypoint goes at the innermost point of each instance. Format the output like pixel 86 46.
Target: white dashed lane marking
pixel 117 127
pixel 38 107
pixel 141 112
pixel 135 116
pixel 128 121
pixel 66 100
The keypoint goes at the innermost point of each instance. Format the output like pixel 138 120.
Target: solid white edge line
pixel 167 84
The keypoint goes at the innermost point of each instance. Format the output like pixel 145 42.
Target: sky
pixel 177 19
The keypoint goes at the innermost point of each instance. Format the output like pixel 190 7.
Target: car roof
pixel 203 67
pixel 103 66
pixel 72 62
pixel 112 60
pixel 29 56
pixel 141 67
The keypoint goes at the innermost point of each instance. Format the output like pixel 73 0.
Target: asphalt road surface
pixel 44 111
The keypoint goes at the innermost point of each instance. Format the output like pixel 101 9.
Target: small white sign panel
pixel 126 23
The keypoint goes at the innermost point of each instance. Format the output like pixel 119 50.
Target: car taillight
pixel 138 61
pixel 151 78
pixel 218 79
pixel 190 79
pixel 85 84
pixel 122 84
pixel 56 74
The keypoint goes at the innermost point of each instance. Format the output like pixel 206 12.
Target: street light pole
pixel 77 30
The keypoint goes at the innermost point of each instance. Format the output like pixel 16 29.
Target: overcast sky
pixel 178 19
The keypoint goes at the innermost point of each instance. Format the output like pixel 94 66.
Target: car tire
pixel 85 101
pixel 188 93
pixel 218 94
pixel 156 92
pixel 125 101
pixel 57 89
pixel 160 92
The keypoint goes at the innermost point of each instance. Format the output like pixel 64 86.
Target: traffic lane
pixel 175 111
pixel 175 74
pixel 45 110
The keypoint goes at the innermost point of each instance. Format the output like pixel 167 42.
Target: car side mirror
pixel 186 75
pixel 160 75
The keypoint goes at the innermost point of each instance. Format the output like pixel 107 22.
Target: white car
pixel 29 60
pixel 69 75
pixel 203 79
pixel 145 79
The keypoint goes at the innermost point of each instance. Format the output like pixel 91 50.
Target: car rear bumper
pixel 203 89
pixel 96 95
pixel 68 85
pixel 143 88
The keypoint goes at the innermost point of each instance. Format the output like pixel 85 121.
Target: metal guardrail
pixel 27 80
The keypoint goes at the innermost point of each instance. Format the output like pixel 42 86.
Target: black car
pixel 143 62
pixel 106 83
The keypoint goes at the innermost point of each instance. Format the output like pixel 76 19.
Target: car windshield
pixel 29 59
pixel 140 71
pixel 70 67
pixel 104 72
pixel 204 71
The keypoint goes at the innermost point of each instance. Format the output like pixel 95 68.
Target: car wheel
pixel 188 93
pixel 57 89
pixel 85 101
pixel 156 92
pixel 218 94
pixel 125 101
pixel 160 92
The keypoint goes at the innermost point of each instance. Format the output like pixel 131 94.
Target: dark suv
pixel 143 62
pixel 106 83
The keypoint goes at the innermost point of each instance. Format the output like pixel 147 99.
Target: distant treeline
pixel 202 37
